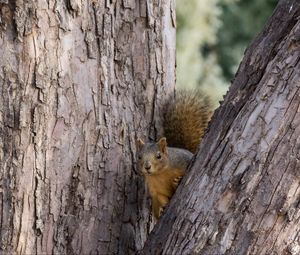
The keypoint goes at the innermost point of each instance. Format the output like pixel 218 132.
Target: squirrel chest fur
pixel 164 183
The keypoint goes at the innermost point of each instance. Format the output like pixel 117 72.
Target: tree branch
pixel 230 200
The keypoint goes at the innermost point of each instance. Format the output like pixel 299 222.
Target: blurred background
pixel 212 36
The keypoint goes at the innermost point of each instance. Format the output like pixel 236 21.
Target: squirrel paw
pixel 177 180
pixel 161 210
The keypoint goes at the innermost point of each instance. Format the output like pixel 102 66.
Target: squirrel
pixel 184 123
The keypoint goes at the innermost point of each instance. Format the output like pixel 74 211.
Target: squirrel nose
pixel 147 165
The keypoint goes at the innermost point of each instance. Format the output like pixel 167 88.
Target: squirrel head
pixel 152 157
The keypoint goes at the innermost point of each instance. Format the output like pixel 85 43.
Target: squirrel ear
pixel 140 143
pixel 162 144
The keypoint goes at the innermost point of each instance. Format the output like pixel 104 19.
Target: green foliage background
pixel 211 39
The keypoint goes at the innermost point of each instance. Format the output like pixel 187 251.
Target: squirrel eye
pixel 158 155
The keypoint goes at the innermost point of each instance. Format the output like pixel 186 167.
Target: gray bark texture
pixel 242 192
pixel 79 82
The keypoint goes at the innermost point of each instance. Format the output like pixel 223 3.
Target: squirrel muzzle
pixel 147 167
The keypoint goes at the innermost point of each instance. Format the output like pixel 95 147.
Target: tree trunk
pixel 79 81
pixel 242 192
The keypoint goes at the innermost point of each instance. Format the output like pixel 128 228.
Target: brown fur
pixel 162 186
pixel 186 120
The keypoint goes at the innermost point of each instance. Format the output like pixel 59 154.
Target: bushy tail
pixel 186 120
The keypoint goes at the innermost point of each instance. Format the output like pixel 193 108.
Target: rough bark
pixel 242 192
pixel 79 81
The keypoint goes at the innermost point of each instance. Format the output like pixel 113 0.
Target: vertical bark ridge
pixel 78 82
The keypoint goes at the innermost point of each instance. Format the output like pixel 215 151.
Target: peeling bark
pixel 242 192
pixel 79 81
